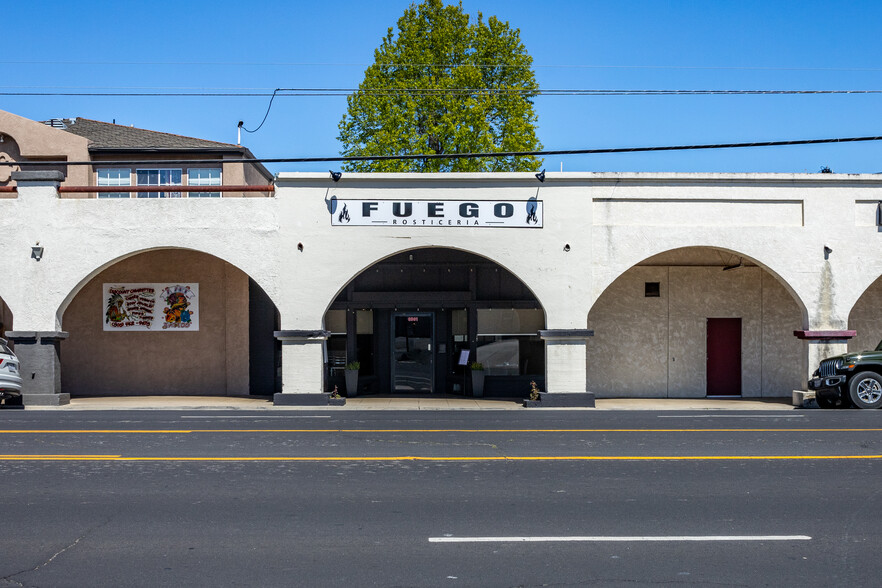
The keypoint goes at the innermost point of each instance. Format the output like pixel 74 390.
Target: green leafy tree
pixel 442 84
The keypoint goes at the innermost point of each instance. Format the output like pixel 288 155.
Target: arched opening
pixel 866 319
pixel 416 321
pixel 692 323
pixel 170 322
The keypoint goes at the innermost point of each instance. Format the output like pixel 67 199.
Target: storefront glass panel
pixel 412 352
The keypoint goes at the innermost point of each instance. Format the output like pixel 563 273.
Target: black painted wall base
pixel 562 400
pixel 297 399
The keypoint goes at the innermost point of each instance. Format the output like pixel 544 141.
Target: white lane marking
pixel 730 416
pixel 600 539
pixel 273 416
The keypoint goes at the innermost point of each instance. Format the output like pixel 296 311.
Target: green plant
pixel 335 393
pixel 444 82
pixel 476 366
pixel 353 365
pixel 534 390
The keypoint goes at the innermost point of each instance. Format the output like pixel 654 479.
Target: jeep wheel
pixel 865 390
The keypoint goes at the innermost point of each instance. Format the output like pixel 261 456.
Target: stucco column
pixel 302 368
pixel 821 345
pixel 37 338
pixel 566 367
pixel 39 354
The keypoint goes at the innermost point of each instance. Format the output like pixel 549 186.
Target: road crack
pixel 10 577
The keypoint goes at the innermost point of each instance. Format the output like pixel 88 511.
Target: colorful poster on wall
pixel 151 307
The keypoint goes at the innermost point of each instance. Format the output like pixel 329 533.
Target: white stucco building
pixel 591 284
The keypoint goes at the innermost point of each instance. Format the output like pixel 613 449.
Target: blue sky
pixel 740 45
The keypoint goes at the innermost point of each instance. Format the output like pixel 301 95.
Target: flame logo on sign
pixel 344 214
pixel 532 206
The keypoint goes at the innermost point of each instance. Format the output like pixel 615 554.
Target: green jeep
pixel 853 379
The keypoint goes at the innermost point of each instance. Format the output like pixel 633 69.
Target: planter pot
pixel 478 383
pixel 532 403
pixel 351 383
pixel 336 402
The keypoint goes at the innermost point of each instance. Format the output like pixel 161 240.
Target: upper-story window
pixel 158 177
pixel 114 177
pixel 205 176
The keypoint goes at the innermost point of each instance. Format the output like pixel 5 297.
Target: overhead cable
pixel 343 158
pixel 325 92
pixel 444 65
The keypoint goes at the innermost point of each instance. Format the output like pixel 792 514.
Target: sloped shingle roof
pixel 110 136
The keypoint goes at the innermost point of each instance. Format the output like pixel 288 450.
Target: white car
pixel 10 377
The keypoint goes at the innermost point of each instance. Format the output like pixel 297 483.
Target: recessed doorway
pixel 724 357
pixel 413 352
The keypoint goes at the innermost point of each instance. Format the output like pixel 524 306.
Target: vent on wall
pixel 652 289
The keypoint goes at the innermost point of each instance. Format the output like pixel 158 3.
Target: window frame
pixel 218 180
pixel 109 181
pixel 160 170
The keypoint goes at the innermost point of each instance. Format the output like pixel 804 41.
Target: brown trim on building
pixel 824 335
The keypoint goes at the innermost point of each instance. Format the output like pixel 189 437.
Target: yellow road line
pixel 189 431
pixel 440 458
pixel 83 431
pixel 57 456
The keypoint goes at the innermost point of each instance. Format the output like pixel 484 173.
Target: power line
pixel 242 124
pixel 326 92
pixel 453 155
pixel 447 65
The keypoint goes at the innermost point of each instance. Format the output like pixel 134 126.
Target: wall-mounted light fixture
pixel 37 251
pixel 827 252
pixel 567 248
pixel 541 176
pixel 300 247
pixel 335 175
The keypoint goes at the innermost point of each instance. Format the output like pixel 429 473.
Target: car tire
pixel 865 390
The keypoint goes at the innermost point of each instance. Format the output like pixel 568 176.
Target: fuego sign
pixel 525 214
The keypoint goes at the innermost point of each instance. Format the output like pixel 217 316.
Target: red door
pixel 724 357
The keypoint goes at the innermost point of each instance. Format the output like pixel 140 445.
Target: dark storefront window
pixel 512 355
pixel 508 341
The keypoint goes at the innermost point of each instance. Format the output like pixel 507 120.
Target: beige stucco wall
pixel 657 347
pixel 210 361
pixel 866 319
pixel 26 139
pixel 778 222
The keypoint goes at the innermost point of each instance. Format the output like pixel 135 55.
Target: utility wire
pixel 443 65
pixel 443 91
pixel 241 124
pixel 453 155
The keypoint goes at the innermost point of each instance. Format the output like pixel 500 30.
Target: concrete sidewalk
pixel 398 403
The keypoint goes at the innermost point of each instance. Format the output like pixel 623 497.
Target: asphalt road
pixel 560 498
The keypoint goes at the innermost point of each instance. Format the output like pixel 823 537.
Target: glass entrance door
pixel 413 354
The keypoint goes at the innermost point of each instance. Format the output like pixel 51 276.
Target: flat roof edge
pixel 576 177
